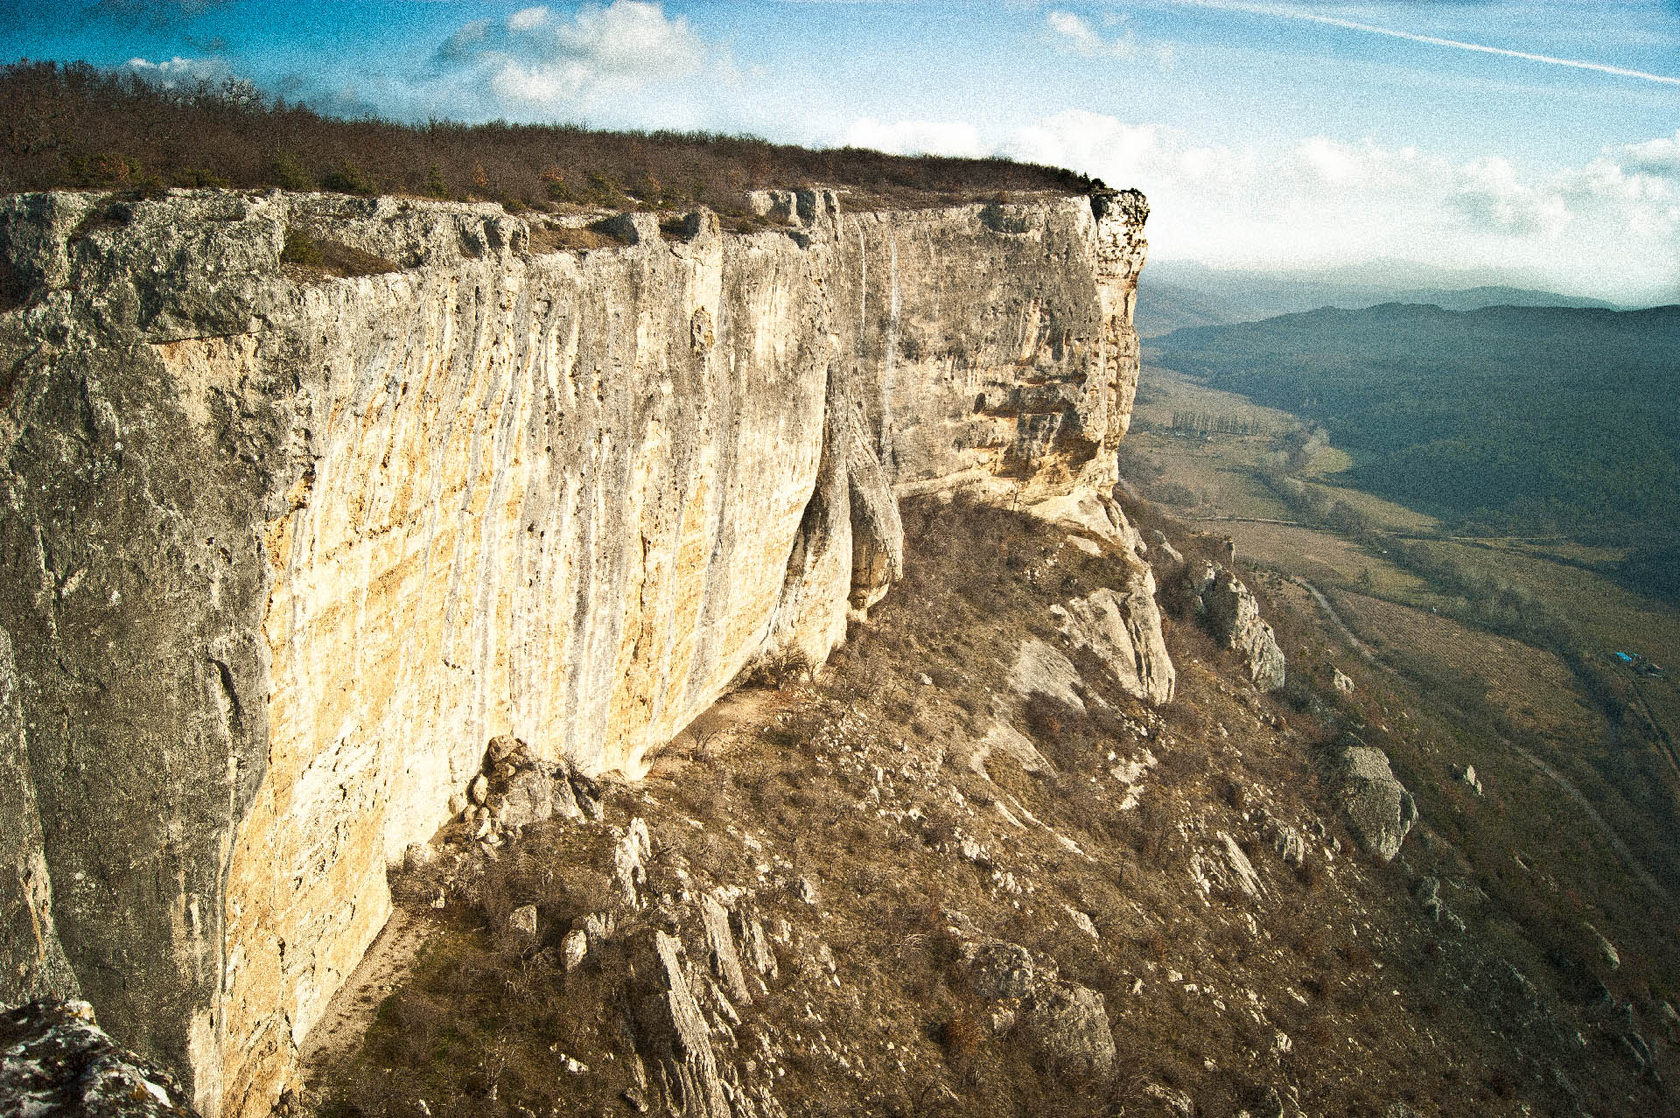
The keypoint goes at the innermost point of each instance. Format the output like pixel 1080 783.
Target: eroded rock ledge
pixel 282 552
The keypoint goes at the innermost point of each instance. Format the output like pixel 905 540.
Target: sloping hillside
pixel 1532 418
pixel 940 880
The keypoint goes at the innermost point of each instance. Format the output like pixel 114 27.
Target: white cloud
pixel 1075 33
pixel 538 59
pixel 178 72
pixel 1611 225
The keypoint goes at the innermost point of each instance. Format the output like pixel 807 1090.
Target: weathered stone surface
pixel 56 1062
pixel 1123 628
pixel 1233 617
pixel 1001 970
pixel 1068 1024
pixel 1040 669
pixel 1378 807
pixel 1004 739
pixel 671 1032
pixel 726 961
pixel 1087 510
pixel 293 549
pixel 32 962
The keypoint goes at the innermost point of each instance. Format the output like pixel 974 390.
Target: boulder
pixel 630 855
pixel 1123 629
pixel 1606 950
pixel 1068 1026
pixel 1001 970
pixel 518 790
pixel 574 948
pixel 1378 808
pixel 56 1062
pixel 523 921
pixel 1165 552
pixel 1231 614
pixel 1084 510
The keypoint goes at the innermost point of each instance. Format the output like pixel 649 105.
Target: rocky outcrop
pixel 283 551
pixel 1231 614
pixel 1378 808
pixel 1123 629
pixel 1064 1023
pixel 672 1033
pixel 56 1062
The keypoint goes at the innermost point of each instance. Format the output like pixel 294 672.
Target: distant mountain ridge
pixel 1179 296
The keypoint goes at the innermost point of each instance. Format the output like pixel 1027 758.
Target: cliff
pixel 284 552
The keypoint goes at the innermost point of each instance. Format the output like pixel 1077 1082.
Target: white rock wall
pixel 564 497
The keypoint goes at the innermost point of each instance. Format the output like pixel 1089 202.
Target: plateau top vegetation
pixel 75 126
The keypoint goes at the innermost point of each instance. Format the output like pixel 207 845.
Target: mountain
pixel 1163 307
pixel 1540 417
pixel 1475 298
pixel 1174 296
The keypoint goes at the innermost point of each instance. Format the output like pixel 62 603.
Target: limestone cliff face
pixel 282 553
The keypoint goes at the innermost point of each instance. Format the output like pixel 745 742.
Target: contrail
pixel 1431 40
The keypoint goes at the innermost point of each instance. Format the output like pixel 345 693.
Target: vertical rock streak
pixel 363 526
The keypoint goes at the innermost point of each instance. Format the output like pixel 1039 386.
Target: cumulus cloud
pixel 537 58
pixel 1612 223
pixel 181 73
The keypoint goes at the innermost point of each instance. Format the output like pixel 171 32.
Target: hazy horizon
pixel 1530 144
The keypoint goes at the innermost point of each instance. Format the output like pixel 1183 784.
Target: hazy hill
pixel 1163 307
pixel 1174 296
pixel 1475 298
pixel 1535 418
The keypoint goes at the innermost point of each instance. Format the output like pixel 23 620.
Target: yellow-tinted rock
pixel 364 526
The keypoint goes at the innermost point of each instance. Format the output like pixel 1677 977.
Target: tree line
pixel 73 125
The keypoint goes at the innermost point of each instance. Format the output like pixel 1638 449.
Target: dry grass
pixel 74 126
pixel 323 256
pixel 860 783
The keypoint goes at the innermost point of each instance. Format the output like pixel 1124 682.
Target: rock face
pixel 1123 629
pixel 56 1062
pixel 32 962
pixel 283 552
pixel 1233 616
pixel 1378 807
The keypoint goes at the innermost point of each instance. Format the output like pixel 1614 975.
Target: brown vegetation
pixel 75 126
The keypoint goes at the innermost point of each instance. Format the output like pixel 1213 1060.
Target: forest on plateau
pixel 72 125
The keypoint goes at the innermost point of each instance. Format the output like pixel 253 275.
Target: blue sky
pixel 1530 141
